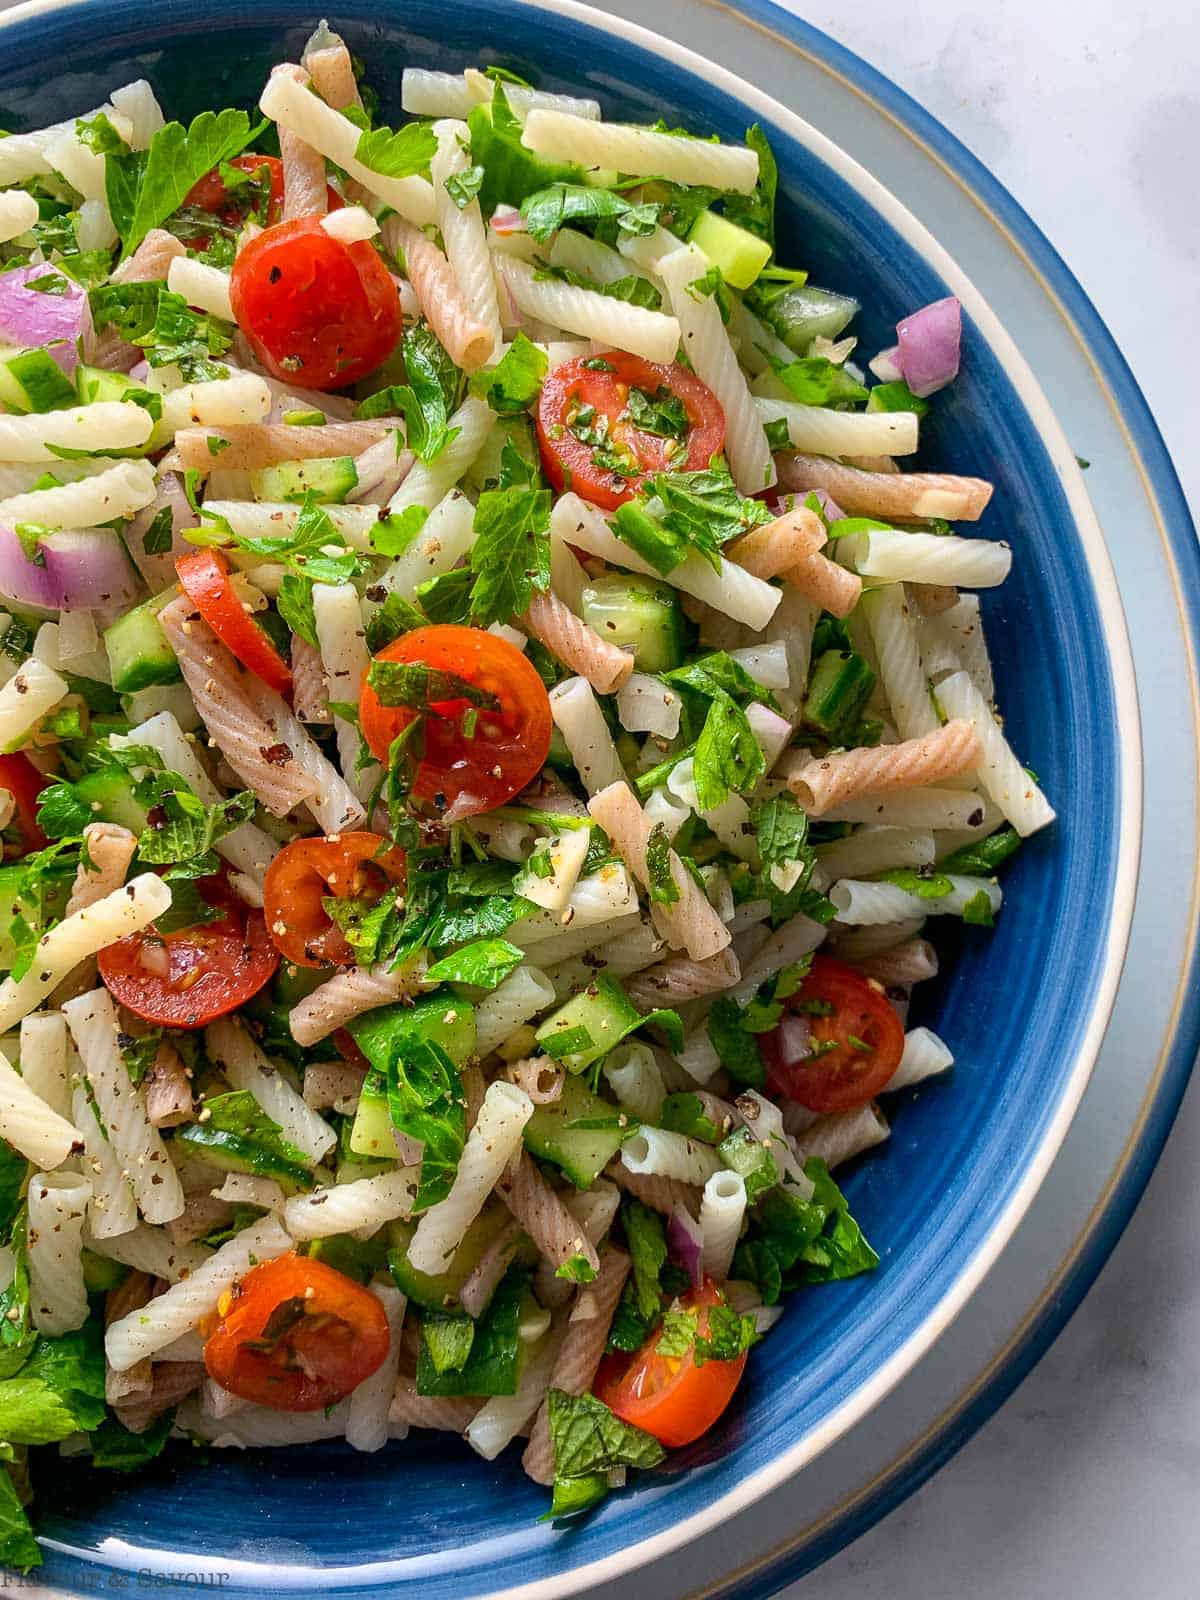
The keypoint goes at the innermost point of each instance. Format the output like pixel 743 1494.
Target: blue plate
pixel 1024 1009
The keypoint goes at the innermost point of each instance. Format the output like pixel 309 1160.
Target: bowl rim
pixel 921 240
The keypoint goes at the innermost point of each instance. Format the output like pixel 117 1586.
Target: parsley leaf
pixel 294 603
pixel 143 188
pixel 412 683
pixel 312 548
pixel 815 381
pixel 395 616
pixel 427 399
pixel 552 208
pixel 157 539
pixel 736 1046
pixel 397 154
pixel 729 1335
pixel 485 963
pixel 664 891
pixel 515 382
pixel 463 187
pixel 756 212
pixel 511 554
pixel 236 1127
pixel 181 828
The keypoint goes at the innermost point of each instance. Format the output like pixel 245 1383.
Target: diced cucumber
pixel 137 648
pixel 440 1291
pixel 581 1152
pixel 56 886
pixel 33 381
pixel 741 255
pixel 329 478
pixel 839 688
pixel 97 383
pixel 638 614
pixel 232 1153
pixel 801 314
pixel 510 170
pixel 591 1024
pixel 100 1274
pixel 109 794
pixel 442 1018
pixel 359 1259
pixel 293 984
pixel 304 419
pixel 372 1134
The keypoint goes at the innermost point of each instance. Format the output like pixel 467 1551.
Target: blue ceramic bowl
pixel 1023 1007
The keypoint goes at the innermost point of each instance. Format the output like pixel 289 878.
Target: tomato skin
pixel 232 958
pixel 210 194
pixel 24 782
pixel 460 777
pixel 568 461
pixel 338 1336
pixel 675 1400
pixel 317 312
pixel 844 1077
pixel 349 866
pixel 204 575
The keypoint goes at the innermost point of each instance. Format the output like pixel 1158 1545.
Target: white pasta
pixel 291 104
pixel 964 627
pixel 463 235
pixel 640 151
pixel 58 1299
pixel 25 699
pixel 95 1027
pixel 578 717
pixel 866 904
pixel 871 850
pixel 730 821
pixel 843 433
pixel 634 1077
pixel 912 808
pixel 202 286
pixel 347 1207
pixel 721 1212
pixel 699 1058
pixel 18 213
pixel 342 640
pixel 43 1056
pixel 924 1056
pixel 670 1155
pixel 113 1208
pixel 1000 773
pixel 498 1422
pixel 117 492
pixel 843 1136
pixel 429 482
pixel 610 323
pixel 901 673
pixel 706 345
pixel 445 538
pixel 244 1189
pixel 767 663
pixel 931 558
pixel 510 1004
pixel 663 807
pixel 566 853
pixel 243 1063
pixel 178 1310
pixel 731 589
pixel 450 94
pixel 490 1144
pixel 253 519
pixel 78 936
pixel 367 1410
pixel 796 939
pixel 646 705
pixel 352 225
pixel 216 403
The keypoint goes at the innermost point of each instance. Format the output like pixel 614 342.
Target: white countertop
pixel 1084 1483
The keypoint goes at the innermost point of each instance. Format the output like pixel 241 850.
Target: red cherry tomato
pixel 188 978
pixel 297 1336
pixel 205 578
pixel 317 312
pixel 24 782
pixel 857 1041
pixel 460 772
pixel 670 1397
pixel 577 400
pixel 210 193
pixel 349 866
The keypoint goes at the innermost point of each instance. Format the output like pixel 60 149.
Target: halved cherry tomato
pixel 343 1042
pixel 24 782
pixel 857 1041
pixel 576 399
pixel 297 1336
pixel 670 1397
pixel 204 575
pixel 317 312
pixel 210 969
pixel 463 773
pixel 348 866
pixel 211 193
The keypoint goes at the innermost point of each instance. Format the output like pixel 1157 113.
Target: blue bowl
pixel 1023 1007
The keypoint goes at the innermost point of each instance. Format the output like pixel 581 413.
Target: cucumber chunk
pixel 329 478
pixel 440 1291
pixel 591 1024
pixel 34 381
pixel 442 1018
pixel 56 886
pixel 801 314
pixel 137 648
pixel 839 688
pixel 740 255
pixel 109 794
pixel 581 1152
pixel 638 614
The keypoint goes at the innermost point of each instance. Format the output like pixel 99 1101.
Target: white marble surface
pixel 1084 1483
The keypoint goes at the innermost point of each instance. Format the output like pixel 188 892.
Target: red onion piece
pixel 29 318
pixel 795 1040
pixel 928 348
pixel 507 220
pixel 885 368
pixel 85 570
pixel 686 1244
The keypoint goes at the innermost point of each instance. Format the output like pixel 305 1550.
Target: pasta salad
pixel 485 719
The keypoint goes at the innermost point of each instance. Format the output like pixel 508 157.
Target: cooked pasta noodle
pixel 821 784
pixel 58 1299
pixel 1000 773
pixel 591 315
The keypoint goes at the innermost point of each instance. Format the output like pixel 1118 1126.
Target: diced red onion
pixel 85 570
pixel 829 506
pixel 29 317
pixel 686 1244
pixel 928 348
pixel 507 220
pixel 884 366
pixel 795 1040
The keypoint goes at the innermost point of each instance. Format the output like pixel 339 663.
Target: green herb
pixel 742 1153
pixel 704 510
pixel 712 284
pixel 515 382
pixel 756 212
pixel 486 963
pixel 143 188
pixel 447 1340
pixel 815 381
pixel 511 553
pixel 632 289
pixel 294 603
pixel 99 135
pixel 18 1547
pixel 684 1113
pixel 922 881
pixel 187 339
pixel 181 828
pixel 978 911
pixel 447 598
pixel 426 400
pixel 576 1269
pixel 59 1389
pixel 491 1363
pixel 463 187
pixel 13 1171
pixel 397 154
pixel 983 857
pixel 662 413
pixel 116 1449
pixel 562 203
pixel 677 1334
pixel 312 548
pixel 412 683
pixel 662 886
pixel 737 1048
pixel 728 757
pixel 156 541
pixel 589 1441
pixel 139 1054
pixel 728 1336
pixel 236 1126
pixel 793 1242
pixel 394 617
pixel 647 1242
pixel 425 1100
